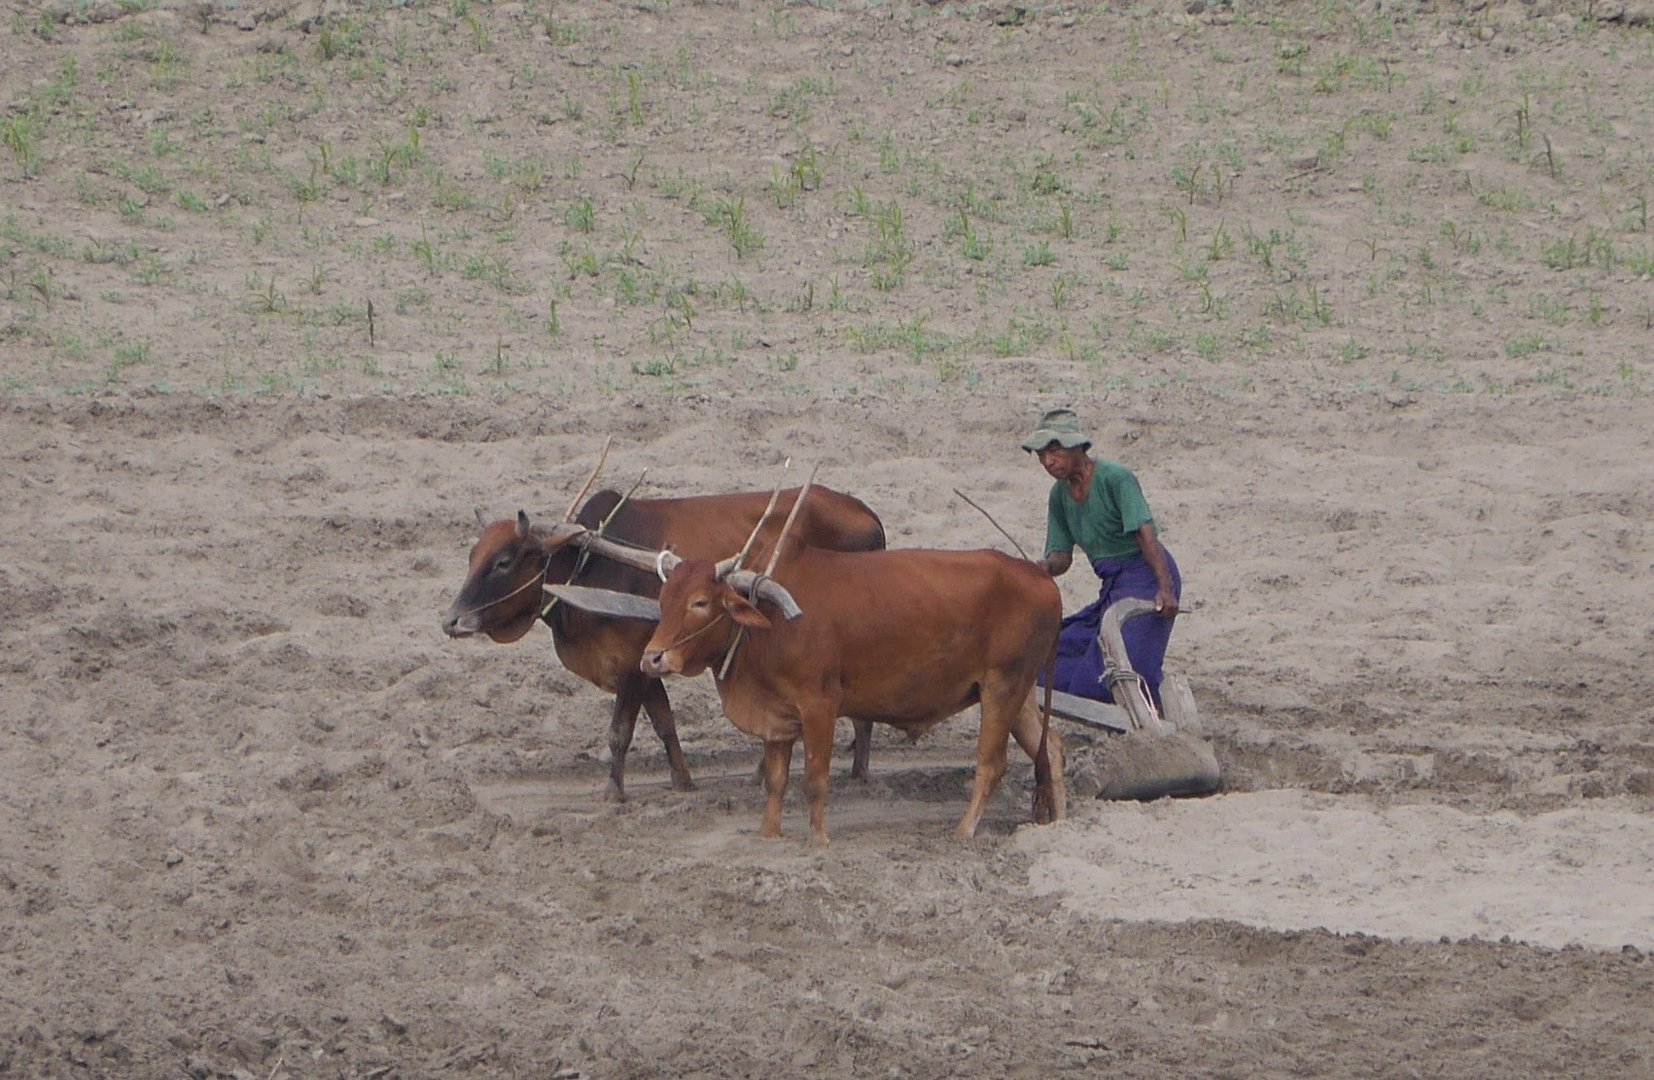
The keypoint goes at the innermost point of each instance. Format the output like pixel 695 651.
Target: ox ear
pixel 522 525
pixel 744 612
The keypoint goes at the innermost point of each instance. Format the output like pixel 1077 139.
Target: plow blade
pixel 1152 756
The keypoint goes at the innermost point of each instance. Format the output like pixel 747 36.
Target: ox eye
pixel 699 605
pixel 502 564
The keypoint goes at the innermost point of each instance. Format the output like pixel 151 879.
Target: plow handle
pixel 1128 692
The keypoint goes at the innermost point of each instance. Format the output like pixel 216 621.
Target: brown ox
pixel 906 638
pixel 502 596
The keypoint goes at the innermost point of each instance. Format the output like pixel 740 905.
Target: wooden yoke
pixel 603 601
pixel 652 562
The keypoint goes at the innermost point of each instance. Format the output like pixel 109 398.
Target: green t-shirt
pixel 1105 525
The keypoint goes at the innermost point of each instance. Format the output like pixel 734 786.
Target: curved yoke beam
pixel 765 588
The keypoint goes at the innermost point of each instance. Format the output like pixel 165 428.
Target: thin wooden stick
pixel 568 515
pixel 775 557
pixel 775 496
pixel 994 523
pixel 585 551
pixel 792 516
pixel 610 516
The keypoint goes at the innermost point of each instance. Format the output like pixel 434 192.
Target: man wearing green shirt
pixel 1098 506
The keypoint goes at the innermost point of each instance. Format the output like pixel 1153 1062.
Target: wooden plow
pixel 1150 756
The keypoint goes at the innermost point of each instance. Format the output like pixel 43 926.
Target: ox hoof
pixel 685 784
pixel 612 794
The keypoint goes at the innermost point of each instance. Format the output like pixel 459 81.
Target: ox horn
pixel 763 585
pixel 617 605
pixel 765 588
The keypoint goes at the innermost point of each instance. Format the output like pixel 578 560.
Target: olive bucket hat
pixel 1058 426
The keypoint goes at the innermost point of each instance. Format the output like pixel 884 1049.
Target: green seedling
pixel 1179 220
pixel 1553 164
pixel 20 136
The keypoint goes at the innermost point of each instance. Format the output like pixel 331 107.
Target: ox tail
pixel 1044 795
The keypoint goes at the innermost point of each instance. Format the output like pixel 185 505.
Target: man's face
pixel 1060 463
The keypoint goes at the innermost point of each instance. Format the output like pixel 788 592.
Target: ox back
pixel 605 651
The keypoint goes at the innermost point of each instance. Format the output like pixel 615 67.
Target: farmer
pixel 1098 505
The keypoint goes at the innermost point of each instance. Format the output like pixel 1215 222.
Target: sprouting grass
pixel 581 215
pixel 393 157
pixel 1038 254
pixel 730 217
pixel 267 298
pixel 124 357
pixel 21 135
pixel 35 284
pixel 1019 336
pixel 912 337
pixel 1143 204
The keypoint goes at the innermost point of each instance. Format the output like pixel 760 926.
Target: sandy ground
pixel 260 815
pixel 259 818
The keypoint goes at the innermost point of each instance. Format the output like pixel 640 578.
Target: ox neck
pixel 723 665
pixel 554 614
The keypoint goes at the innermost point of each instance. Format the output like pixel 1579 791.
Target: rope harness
pixel 585 555
pixel 538 580
pixel 729 656
pixel 693 634
pixel 1117 677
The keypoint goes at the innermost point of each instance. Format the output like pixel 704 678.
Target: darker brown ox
pixel 502 596
pixel 906 638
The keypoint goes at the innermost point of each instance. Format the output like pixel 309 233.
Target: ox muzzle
pixel 460 624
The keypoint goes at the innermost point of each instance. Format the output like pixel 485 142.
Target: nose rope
pixel 537 580
pixel 729 657
pixel 693 634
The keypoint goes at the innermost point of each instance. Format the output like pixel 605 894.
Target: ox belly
pixel 912 722
pixel 912 703
pixel 913 699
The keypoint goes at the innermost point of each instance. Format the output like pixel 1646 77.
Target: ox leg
pixel 1026 732
pixel 778 759
pixel 659 708
pixel 818 756
pixel 623 720
pixel 859 749
pixel 991 742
